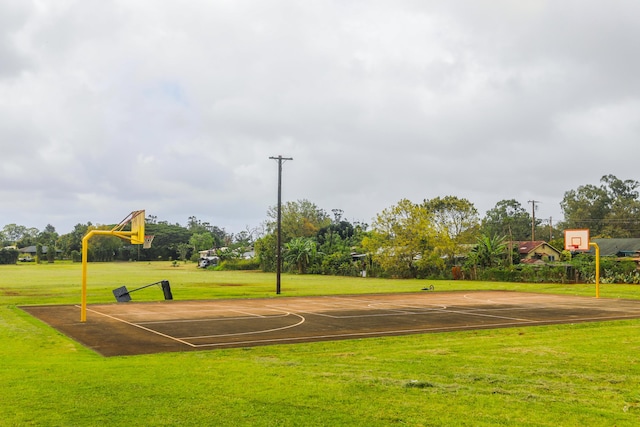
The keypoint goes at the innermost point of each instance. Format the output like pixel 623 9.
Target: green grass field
pixel 566 375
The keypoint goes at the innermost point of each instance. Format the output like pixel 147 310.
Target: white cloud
pixel 111 106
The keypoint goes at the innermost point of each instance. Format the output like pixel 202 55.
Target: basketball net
pixel 147 241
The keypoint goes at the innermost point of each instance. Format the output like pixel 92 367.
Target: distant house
pixel 31 250
pixel 621 248
pixel 537 250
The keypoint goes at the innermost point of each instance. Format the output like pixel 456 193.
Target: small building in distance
pixel 537 250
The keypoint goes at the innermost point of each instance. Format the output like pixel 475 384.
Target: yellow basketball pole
pixel 595 245
pixel 135 237
pixel 126 235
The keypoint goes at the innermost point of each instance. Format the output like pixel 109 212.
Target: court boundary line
pixel 157 327
pixel 403 332
pixel 140 327
pixel 251 332
pixel 446 309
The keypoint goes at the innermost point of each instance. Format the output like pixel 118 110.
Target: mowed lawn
pixel 565 375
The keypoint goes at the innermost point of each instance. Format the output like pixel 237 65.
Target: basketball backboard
pixel 576 240
pixel 137 228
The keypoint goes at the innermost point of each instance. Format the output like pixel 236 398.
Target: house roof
pixel 32 250
pixel 526 247
pixel 532 261
pixel 617 247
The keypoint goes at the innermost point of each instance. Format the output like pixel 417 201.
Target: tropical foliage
pixel 410 240
pixel 300 252
pixel 404 240
pixel 611 209
pixel 489 251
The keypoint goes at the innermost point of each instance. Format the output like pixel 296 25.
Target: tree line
pixel 410 239
pixel 445 236
pixel 171 241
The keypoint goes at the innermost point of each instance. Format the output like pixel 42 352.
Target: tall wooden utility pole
pixel 533 218
pixel 280 160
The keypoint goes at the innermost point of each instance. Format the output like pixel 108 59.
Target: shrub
pixel 9 256
pixel 76 256
pixel 238 264
pixel 337 264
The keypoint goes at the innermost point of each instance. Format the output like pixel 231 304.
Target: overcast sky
pixel 175 107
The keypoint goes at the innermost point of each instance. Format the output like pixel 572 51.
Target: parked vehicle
pixel 208 261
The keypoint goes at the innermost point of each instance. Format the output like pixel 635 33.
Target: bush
pixel 338 264
pixel 9 256
pixel 238 264
pixel 76 256
pixel 549 273
pixel 500 274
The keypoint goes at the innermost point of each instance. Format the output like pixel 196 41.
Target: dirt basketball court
pixel 141 328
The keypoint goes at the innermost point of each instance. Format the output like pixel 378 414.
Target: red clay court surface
pixel 141 328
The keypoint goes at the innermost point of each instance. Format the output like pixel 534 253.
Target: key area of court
pixel 150 327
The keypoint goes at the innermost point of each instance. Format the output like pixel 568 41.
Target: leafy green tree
pixel 219 235
pixel 166 241
pixel 265 248
pixel 25 236
pixel 183 250
pixel 623 219
pixel 9 256
pixel 72 242
pixel 300 252
pixel 508 218
pixel 14 232
pixel 339 233
pixel 103 248
pixel 456 222
pixel 453 216
pixel 51 253
pixel 201 241
pixel 49 237
pixel 403 239
pixel 245 238
pixel 299 219
pixel 194 225
pixel 618 189
pixel 611 209
pixel 586 207
pixel 38 253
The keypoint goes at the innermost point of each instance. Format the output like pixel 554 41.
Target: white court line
pixel 141 327
pixel 463 312
pixel 468 296
pixel 302 320
pixel 472 311
pixel 402 331
pixel 248 313
pixel 401 305
pixel 358 316
pixel 214 319
pixel 413 313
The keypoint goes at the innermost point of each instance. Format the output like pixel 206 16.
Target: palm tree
pixel 300 252
pixel 489 250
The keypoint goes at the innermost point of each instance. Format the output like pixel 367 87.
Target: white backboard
pixel 576 240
